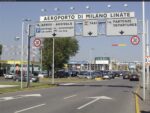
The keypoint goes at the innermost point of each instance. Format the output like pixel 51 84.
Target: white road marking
pixel 29 108
pixel 67 84
pixel 70 96
pixel 31 95
pixel 88 103
pixel 19 96
pixel 95 99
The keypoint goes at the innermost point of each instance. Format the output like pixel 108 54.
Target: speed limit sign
pixel 37 42
pixel 135 40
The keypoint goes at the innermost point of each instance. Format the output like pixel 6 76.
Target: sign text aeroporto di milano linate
pixel 87 16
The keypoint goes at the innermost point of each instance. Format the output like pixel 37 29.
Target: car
pixel 134 77
pixel 73 73
pixel 107 75
pixel 42 74
pixel 126 76
pixel 9 75
pixel 24 78
pixel 61 74
pixel 82 74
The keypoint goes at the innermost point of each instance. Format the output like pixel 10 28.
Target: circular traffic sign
pixel 37 42
pixel 135 40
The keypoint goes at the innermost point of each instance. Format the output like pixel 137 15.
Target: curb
pixel 137 108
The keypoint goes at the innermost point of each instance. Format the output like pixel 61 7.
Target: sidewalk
pixel 144 106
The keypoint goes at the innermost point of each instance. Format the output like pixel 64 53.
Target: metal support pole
pixel 143 46
pixel 41 58
pixel 53 66
pixel 28 63
pixel 147 52
pixel 22 46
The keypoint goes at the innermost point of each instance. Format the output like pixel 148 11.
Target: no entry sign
pixel 135 40
pixel 37 42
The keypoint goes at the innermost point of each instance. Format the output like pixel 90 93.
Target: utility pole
pixel 28 63
pixel 143 46
pixel 147 52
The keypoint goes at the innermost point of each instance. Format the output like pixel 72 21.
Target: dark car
pixel 24 78
pixel 73 73
pixel 61 74
pixel 134 77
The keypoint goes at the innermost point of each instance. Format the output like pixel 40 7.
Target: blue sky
pixel 12 13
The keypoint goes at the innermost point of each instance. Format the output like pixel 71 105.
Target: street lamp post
pixel 91 60
pixel 41 58
pixel 143 46
pixel 22 48
pixel 147 52
pixel 53 58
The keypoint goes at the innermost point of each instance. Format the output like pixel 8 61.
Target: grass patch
pixel 44 83
pixel 33 86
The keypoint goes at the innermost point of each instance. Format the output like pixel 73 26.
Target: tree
pixel 64 49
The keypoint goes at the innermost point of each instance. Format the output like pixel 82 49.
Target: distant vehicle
pixel 82 74
pixel 126 75
pixel 42 74
pixel 61 74
pixel 24 78
pixel 90 75
pixel 73 73
pixel 134 77
pixel 9 75
pixel 107 75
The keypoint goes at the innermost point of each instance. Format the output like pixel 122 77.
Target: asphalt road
pixel 110 96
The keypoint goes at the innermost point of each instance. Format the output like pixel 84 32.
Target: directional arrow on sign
pixel 95 99
pixel 90 33
pixel 54 34
pixel 121 32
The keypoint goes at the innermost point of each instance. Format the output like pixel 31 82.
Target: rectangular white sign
pixel 90 28
pixel 87 16
pixel 102 62
pixel 121 27
pixel 55 29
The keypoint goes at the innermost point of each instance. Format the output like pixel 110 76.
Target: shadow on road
pixel 138 95
pixel 145 111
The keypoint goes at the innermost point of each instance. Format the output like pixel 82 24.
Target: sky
pixel 12 14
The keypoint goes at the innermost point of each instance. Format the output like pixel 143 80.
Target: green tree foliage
pixel 64 49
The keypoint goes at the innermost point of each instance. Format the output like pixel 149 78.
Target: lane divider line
pixel 70 96
pixel 30 108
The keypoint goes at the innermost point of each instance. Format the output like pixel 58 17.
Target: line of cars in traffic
pixel 17 77
pixel 103 74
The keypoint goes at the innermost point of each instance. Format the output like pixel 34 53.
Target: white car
pixel 9 75
pixel 42 74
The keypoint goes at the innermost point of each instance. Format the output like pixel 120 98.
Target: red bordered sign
pixel 135 40
pixel 37 42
